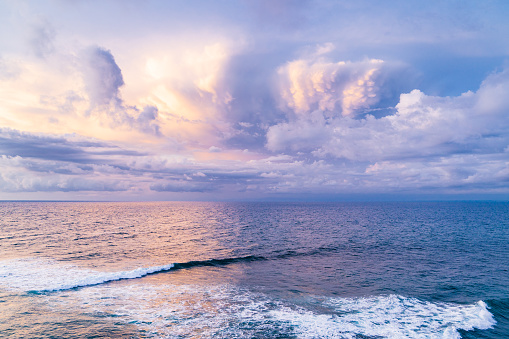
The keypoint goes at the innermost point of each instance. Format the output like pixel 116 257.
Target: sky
pixel 254 100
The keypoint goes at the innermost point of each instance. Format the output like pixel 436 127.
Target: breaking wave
pixel 224 311
pixel 39 275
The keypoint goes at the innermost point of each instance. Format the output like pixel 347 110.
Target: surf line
pixel 98 278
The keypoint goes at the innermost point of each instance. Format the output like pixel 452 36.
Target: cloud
pixel 147 120
pixel 292 91
pixel 15 143
pixel 253 98
pixel 193 69
pixel 214 149
pixel 344 87
pixel 184 186
pixel 492 100
pixel 102 77
pixel 304 134
pixel 71 148
pixel 454 174
pixel 17 175
pixel 430 143
pixel 421 126
pixel 42 39
pixel 267 176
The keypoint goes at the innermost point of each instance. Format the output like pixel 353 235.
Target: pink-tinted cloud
pixel 207 99
pixel 336 87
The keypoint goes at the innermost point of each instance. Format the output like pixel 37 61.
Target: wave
pixel 389 316
pixel 217 262
pixel 164 309
pixel 38 275
pixel 231 311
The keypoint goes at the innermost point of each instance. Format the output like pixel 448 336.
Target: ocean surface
pixel 254 270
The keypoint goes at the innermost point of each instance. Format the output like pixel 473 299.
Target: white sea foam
pixel 33 274
pixel 225 311
pixel 390 316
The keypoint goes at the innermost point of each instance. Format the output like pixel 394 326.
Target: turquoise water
pixel 254 270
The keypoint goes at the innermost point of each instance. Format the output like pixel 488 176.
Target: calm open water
pixel 254 270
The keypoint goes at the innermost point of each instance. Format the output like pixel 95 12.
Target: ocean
pixel 254 270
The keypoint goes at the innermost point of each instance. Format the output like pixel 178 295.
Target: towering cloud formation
pixel 210 100
pixel 337 87
pixel 316 93
pixel 102 77
pixel 421 126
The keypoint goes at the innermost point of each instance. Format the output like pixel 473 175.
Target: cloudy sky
pixel 254 99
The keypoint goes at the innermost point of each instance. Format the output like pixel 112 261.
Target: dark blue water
pixel 254 270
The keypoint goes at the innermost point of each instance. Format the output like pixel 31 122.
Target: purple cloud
pixel 102 76
pixel 254 99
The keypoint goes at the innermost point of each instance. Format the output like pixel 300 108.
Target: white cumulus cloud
pixel 344 86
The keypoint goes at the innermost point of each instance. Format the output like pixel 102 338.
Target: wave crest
pixel 39 275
